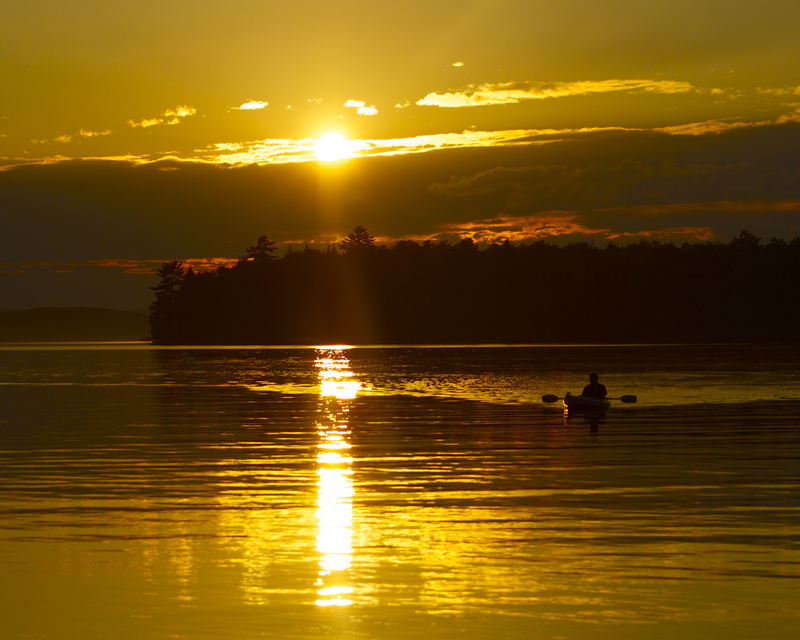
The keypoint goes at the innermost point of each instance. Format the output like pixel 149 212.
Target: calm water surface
pixel 390 493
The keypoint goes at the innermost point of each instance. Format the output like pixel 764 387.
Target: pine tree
pixel 261 251
pixel 357 241
pixel 163 320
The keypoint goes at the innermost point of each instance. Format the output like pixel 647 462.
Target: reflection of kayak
pixel 583 403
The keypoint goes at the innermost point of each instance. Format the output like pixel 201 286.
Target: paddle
pixel 628 399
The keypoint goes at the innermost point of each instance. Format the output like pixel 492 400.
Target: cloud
pixel 782 91
pixel 514 92
pixel 361 107
pixel 269 151
pixel 174 115
pixel 288 150
pixel 703 128
pixel 630 186
pixel 180 112
pixel 562 226
pixel 64 138
pixel 92 134
pixel 148 267
pixel 688 222
pixel 252 105
pixel 790 117
pixel 517 229
pixel 279 151
pixel 226 146
pixel 145 123
pixel 719 126
pixel 458 64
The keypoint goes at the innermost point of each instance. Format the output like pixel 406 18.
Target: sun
pixel 332 147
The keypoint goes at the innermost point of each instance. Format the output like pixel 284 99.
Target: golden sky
pixel 149 130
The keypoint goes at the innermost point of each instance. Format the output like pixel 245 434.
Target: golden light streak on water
pixel 335 485
pixel 335 375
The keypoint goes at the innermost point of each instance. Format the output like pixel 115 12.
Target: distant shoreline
pixel 73 325
pixel 554 345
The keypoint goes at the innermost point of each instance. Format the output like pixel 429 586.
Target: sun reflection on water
pixel 335 484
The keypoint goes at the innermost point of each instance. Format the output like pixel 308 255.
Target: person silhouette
pixel 594 389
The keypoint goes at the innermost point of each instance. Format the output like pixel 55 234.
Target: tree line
pixel 359 292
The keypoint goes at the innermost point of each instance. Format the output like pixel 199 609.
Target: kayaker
pixel 594 389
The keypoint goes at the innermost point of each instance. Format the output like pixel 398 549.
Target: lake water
pixel 384 493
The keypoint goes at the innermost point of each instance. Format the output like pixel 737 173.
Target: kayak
pixel 583 403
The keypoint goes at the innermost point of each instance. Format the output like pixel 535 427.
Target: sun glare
pixel 332 147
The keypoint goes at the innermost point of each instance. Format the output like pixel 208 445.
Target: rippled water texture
pixel 398 493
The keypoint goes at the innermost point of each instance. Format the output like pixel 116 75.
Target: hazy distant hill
pixel 73 324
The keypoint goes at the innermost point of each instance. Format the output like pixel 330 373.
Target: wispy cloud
pixel 291 150
pixel 361 107
pixel 280 151
pixel 7 164
pixel 780 91
pixel 64 138
pixel 514 92
pixel 517 229
pixel 145 123
pixel 269 151
pixel 458 64
pixel 86 133
pixel 226 146
pixel 790 117
pixel 174 114
pixel 719 126
pixel 561 224
pixel 180 112
pixel 629 186
pixel 703 128
pixel 148 267
pixel 135 267
pixel 252 105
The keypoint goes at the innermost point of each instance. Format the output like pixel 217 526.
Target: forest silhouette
pixel 358 292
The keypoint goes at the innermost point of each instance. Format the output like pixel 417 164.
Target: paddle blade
pixel 629 399
pixel 550 398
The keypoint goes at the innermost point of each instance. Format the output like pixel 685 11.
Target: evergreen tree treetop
pixel 262 250
pixel 359 239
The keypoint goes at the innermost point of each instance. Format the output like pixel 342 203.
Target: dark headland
pixel 435 292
